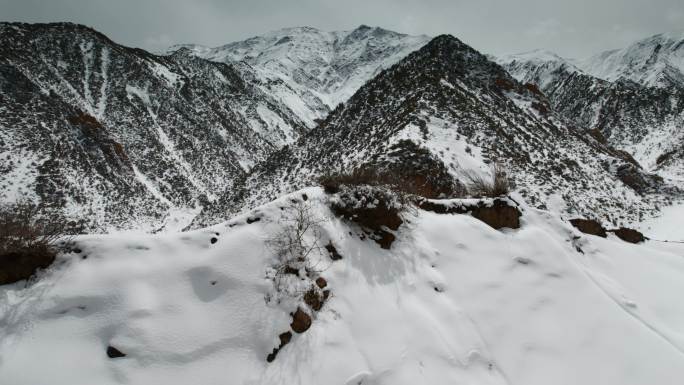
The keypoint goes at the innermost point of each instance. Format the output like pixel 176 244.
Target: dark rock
pixel 498 215
pixel 589 226
pixel 321 282
pixel 301 321
pixel 113 352
pixel 252 220
pixel 334 255
pixel 629 235
pixel 23 264
pixel 213 240
pixel 285 339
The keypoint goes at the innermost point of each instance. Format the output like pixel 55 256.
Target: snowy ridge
pixel 657 61
pixel 446 111
pixel 633 115
pixel 516 307
pixel 98 115
pixel 310 70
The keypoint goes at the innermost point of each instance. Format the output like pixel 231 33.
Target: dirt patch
pixel 589 226
pixel 629 235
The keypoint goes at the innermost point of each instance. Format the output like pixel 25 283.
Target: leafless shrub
pixel 497 184
pixel 28 241
pixel 298 251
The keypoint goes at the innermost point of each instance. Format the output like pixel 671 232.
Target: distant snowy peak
pixel 657 61
pixel 539 66
pixel 312 71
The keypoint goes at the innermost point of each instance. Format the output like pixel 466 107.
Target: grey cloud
pixel 572 28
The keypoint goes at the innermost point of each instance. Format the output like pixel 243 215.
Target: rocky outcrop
pixel 498 213
pixel 589 226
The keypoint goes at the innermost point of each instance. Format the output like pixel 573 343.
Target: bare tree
pixel 297 249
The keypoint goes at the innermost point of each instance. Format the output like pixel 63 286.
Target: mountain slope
pixel 446 111
pixel 657 61
pixel 312 71
pixel 642 120
pixel 123 138
pixel 453 301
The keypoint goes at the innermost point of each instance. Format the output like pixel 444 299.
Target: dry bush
pixel 27 240
pixel 404 183
pixel 497 184
pixel 297 249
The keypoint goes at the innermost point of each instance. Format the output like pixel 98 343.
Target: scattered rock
pixel 589 226
pixel 334 255
pixel 284 340
pixel 113 352
pixel 305 197
pixel 321 282
pixel 301 321
pixel 629 235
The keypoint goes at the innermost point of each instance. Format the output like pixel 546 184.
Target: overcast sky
pixel 573 28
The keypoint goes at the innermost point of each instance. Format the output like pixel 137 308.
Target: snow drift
pixel 452 301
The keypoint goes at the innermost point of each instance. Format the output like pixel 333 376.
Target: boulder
pixel 629 235
pixel 301 321
pixel 589 226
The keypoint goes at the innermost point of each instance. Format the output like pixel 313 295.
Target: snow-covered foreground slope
pixel 452 301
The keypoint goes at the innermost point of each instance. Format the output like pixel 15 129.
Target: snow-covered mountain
pixel 120 137
pixel 643 120
pixel 453 301
pixel 446 111
pixel 312 71
pixel 657 61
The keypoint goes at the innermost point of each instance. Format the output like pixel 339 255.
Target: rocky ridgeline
pixel 442 112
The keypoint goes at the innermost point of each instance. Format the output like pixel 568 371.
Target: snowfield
pixel 452 301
